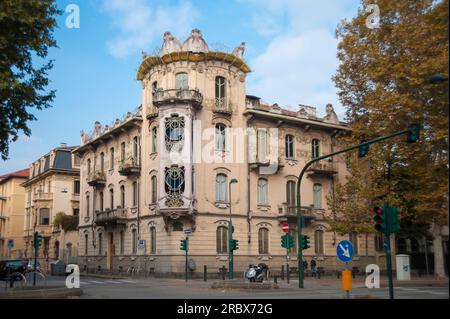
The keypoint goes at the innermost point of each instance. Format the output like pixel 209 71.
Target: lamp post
pixel 230 234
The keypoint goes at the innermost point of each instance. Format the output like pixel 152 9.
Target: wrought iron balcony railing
pixel 130 167
pixel 221 105
pixel 322 168
pixel 177 96
pixel 110 217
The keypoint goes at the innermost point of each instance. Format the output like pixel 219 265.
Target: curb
pixel 52 293
pixel 243 285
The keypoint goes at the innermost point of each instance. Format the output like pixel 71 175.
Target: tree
pixel 26 28
pixel 382 83
pixel 66 222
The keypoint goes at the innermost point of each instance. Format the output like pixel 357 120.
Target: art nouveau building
pixel 167 167
pixel 52 187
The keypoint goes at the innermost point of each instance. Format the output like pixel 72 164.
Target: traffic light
pixel 287 241
pixel 184 244
pixel 234 244
pixel 380 218
pixel 395 220
pixel 305 242
pixel 413 133
pixel 363 150
pixel 284 241
pixel 37 240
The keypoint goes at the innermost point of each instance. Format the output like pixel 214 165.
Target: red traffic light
pixel 378 210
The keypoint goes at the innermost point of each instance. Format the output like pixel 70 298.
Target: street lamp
pixel 230 234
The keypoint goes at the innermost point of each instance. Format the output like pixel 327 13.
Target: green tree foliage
pixel 383 83
pixel 66 222
pixel 26 28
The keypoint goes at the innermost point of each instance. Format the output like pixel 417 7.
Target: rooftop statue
pixel 195 42
pixel 331 115
pixel 171 44
pixel 239 51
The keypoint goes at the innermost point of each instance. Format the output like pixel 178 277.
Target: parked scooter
pixel 256 273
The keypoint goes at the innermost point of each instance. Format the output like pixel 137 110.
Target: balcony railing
pixel 43 196
pixel 110 217
pixel 290 211
pixel 97 179
pixel 322 168
pixel 130 167
pixel 177 96
pixel 221 105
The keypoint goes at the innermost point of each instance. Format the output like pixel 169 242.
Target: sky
pixel 290 46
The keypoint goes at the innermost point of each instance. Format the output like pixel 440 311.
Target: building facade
pixel 12 213
pixel 52 191
pixel 167 167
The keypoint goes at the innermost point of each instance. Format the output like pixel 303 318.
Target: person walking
pixel 313 265
pixel 305 265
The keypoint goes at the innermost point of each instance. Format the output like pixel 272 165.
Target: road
pixel 149 288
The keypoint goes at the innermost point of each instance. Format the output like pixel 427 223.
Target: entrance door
pixel 111 251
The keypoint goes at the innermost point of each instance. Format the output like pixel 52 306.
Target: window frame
pixel 289 145
pixel 263 241
pixel 263 191
pixel 222 239
pixel 221 188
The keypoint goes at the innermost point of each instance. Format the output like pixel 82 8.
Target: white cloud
pixel 140 23
pixel 300 58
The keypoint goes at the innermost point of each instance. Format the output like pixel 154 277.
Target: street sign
pixel 188 231
pixel 10 243
pixel 344 251
pixel 285 227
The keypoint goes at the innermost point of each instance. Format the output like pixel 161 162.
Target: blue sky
pixel 290 46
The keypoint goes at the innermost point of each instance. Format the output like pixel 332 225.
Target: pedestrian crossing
pixel 106 282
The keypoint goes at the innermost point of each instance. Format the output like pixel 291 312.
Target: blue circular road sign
pixel 345 251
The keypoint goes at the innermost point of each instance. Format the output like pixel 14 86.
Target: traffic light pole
pixel 389 251
pixel 287 258
pixel 35 258
pixel 303 171
pixel 186 260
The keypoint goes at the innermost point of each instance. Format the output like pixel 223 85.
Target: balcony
pixel 130 167
pixel 97 179
pixel 322 168
pixel 75 197
pixel 180 96
pixel 2 197
pixel 289 213
pixel 111 218
pixel 152 112
pixel 42 197
pixel 267 164
pixel 222 106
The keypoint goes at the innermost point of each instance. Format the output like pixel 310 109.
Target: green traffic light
pixel 363 150
pixel 413 133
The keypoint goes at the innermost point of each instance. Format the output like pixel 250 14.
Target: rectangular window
pixel 315 148
pixel 135 148
pixel 76 187
pixel 102 162
pixel 152 240
pixel 122 152
pixel 181 81
pixel 44 217
pixel 122 242
pixel 133 241
pixel 262 145
pixel 86 244
pixel 76 212
pixel 135 194
pixel 111 158
pixel 100 244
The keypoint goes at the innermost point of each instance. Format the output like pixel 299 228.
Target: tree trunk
pixel 439 271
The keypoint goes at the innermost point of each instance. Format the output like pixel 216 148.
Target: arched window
pixel 222 239
pixel 263 241
pixel 122 242
pixel 111 199
pixel 174 136
pixel 152 240
pixel 379 245
pixel 154 139
pixel 111 158
pixel 133 241
pixel 88 166
pixel 289 146
pixel 221 188
pixel 315 148
pixel 135 194
pixel 174 185
pixel 88 198
pixel 317 189
pixel 318 241
pixel 220 137
pixel 401 245
pixel 100 243
pixel 262 145
pixel 354 240
pixel 181 81
pixel 122 152
pixel 122 196
pixel 100 200
pixel 177 226
pixel 263 191
pixel 220 92
pixel 290 197
pixel 102 162
pixel 86 244
pixel 154 189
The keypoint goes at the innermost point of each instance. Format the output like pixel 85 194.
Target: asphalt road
pixel 150 288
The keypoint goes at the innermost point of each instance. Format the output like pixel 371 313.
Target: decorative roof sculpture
pixel 195 42
pixel 331 116
pixel 170 44
pixel 239 51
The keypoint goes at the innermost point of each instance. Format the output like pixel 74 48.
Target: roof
pixel 19 174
